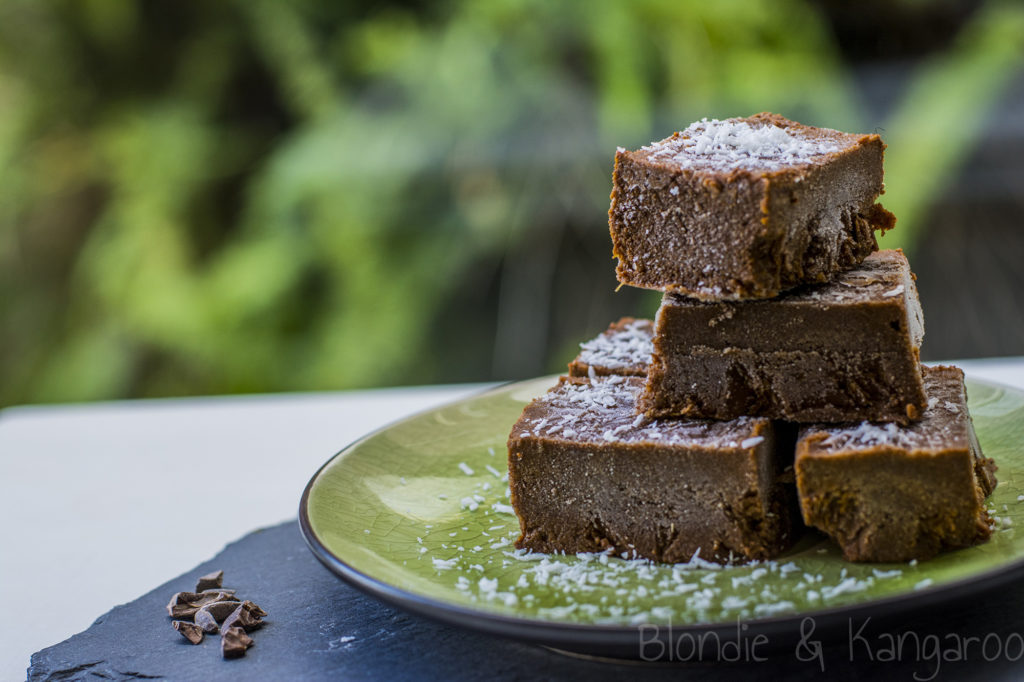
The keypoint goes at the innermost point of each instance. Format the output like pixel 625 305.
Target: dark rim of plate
pixel 592 637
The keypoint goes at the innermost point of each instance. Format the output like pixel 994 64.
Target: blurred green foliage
pixel 258 196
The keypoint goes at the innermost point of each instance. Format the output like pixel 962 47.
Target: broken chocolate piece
pixel 246 615
pixel 210 581
pixel 210 616
pixel 185 604
pixel 234 642
pixel 221 609
pixel 189 631
pixel 745 208
pixel 205 620
pixel 181 605
pixel 254 609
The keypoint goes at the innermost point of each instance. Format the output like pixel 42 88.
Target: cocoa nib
pixel 254 609
pixel 206 621
pixel 234 642
pixel 212 608
pixel 220 610
pixel 247 615
pixel 189 631
pixel 185 604
pixel 210 581
pixel 209 616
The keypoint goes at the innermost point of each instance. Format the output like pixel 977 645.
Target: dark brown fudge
pixel 843 351
pixel 890 493
pixel 745 208
pixel 624 348
pixel 587 475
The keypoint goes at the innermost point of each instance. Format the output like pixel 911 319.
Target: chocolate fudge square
pixel 890 493
pixel 745 208
pixel 624 348
pixel 587 475
pixel 843 351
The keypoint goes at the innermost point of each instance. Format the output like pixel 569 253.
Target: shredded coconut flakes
pixel 732 144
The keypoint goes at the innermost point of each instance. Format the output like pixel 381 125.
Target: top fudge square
pixel 745 208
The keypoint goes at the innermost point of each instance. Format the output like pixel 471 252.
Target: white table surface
pixel 98 502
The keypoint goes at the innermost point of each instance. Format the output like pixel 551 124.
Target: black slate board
pixel 320 628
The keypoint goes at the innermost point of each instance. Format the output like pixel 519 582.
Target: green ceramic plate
pixel 417 514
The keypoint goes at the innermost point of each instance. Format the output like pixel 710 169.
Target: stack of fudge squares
pixel 780 383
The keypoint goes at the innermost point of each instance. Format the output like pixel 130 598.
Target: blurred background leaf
pixel 256 196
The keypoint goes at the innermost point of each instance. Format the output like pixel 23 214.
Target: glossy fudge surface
pixel 624 348
pixel 843 351
pixel 745 208
pixel 895 493
pixel 587 475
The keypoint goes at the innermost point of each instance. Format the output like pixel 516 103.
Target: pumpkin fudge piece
pixel 587 475
pixel 843 351
pixel 891 493
pixel 624 348
pixel 745 208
